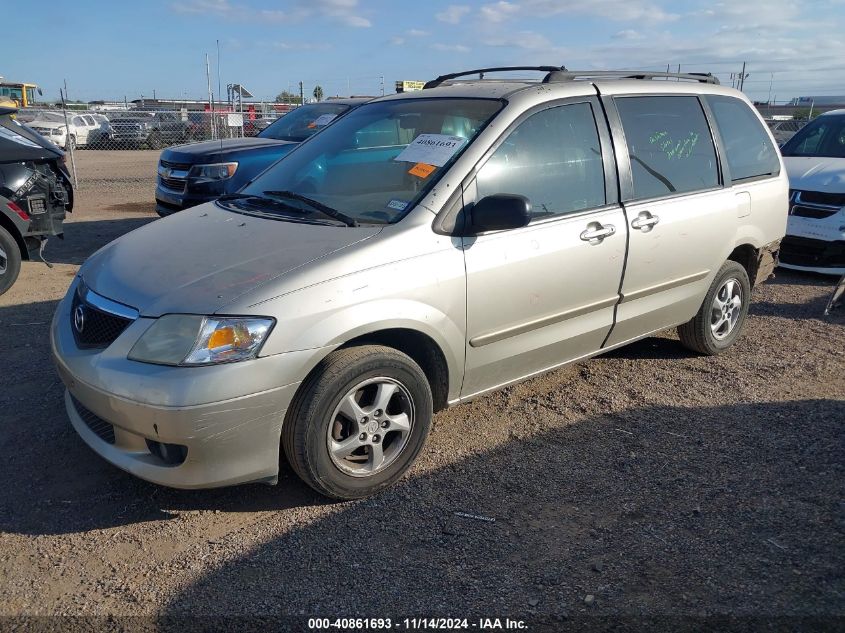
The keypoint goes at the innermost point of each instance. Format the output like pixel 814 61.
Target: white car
pixel 52 126
pixel 815 162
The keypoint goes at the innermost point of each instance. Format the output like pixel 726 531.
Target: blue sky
pixel 114 49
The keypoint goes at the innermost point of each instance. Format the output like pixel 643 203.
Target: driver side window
pixel 553 158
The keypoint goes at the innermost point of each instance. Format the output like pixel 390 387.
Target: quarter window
pixel 670 145
pixel 553 158
pixel 749 149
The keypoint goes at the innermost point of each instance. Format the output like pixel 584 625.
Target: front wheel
pixel 719 320
pixel 358 422
pixel 10 260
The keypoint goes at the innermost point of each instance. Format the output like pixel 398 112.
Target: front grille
pixel 179 166
pixel 176 184
pixel 810 253
pixel 821 197
pixel 98 329
pixel 818 213
pixel 100 427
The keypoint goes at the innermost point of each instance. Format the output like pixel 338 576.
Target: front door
pixel 544 294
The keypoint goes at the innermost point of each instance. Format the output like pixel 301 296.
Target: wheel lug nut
pixel 362 437
pixel 376 439
pixel 385 424
pixel 377 413
pixel 365 419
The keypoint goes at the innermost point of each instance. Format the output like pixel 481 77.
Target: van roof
pixel 612 81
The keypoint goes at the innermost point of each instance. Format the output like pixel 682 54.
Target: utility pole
pixel 382 85
pixel 210 98
pixel 68 146
pixel 301 95
pixel 742 77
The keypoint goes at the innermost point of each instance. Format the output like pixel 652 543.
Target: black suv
pixel 137 129
pixel 189 175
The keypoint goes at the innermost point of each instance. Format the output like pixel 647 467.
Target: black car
pixel 35 194
pixel 189 175
pixel 142 129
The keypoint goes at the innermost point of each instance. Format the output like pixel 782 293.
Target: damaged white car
pixel 815 162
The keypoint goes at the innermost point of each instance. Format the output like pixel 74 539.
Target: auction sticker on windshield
pixel 431 149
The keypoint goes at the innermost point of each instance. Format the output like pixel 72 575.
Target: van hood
pixel 816 173
pixel 194 152
pixel 199 260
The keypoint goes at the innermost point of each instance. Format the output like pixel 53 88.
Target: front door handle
pixel 596 232
pixel 645 221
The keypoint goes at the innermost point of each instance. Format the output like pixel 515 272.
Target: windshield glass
pixel 823 137
pixel 378 160
pixel 297 125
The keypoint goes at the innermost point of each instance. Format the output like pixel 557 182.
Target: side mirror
pixel 499 212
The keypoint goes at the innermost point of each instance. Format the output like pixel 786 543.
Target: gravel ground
pixel 649 485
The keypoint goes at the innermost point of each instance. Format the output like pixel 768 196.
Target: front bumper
pixel 228 416
pixel 813 255
pixel 170 200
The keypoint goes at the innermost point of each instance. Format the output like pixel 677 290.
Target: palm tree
pixel 318 93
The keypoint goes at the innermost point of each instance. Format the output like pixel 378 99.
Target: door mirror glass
pixel 500 212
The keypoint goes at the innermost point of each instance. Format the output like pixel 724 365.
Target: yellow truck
pixel 21 95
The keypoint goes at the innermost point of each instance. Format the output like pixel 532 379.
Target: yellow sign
pixel 407 86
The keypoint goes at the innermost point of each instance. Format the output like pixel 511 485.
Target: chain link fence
pixel 145 127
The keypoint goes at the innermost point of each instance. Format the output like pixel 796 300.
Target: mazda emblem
pixel 79 319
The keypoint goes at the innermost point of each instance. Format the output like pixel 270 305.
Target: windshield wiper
pixel 319 206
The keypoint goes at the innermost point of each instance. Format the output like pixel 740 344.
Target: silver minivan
pixel 428 248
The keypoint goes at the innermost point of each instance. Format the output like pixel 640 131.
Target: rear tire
pixel 10 260
pixel 721 316
pixel 358 422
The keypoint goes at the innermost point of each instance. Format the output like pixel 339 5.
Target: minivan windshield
pixel 299 124
pixel 823 137
pixel 376 162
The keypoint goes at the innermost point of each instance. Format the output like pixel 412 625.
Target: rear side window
pixel 670 145
pixel 749 150
pixel 553 158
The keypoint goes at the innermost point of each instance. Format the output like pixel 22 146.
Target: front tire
pixel 720 318
pixel 10 260
pixel 358 422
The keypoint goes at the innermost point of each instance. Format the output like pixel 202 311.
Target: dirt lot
pixel 649 483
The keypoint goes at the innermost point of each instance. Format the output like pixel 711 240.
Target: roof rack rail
pixel 480 71
pixel 567 75
pixel 560 73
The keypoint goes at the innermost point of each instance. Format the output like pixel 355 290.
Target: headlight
pixel 187 339
pixel 214 171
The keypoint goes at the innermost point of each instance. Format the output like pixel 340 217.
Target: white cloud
pixel 619 10
pixel 500 11
pixel 397 41
pixel 453 13
pixel 343 11
pixel 629 34
pixel 526 40
pixel 417 33
pixel 453 48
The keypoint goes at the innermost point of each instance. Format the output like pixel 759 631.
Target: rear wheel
pixel 358 422
pixel 722 315
pixel 10 260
